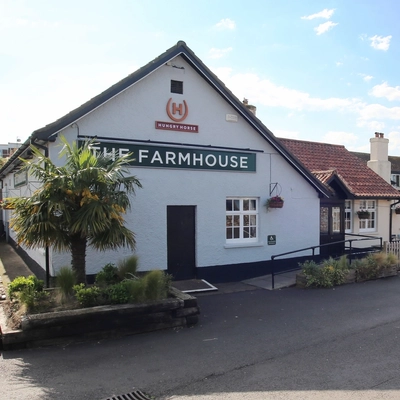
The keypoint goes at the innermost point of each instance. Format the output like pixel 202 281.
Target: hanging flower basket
pixel 5 205
pixel 363 214
pixel 275 202
pixel 397 210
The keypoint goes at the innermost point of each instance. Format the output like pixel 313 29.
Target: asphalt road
pixel 341 343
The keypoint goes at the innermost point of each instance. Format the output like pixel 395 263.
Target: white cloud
pixel 219 53
pixel 325 27
pixel 265 92
pixel 373 126
pixel 366 77
pixel 339 64
pixel 322 14
pixel 226 24
pixel 377 111
pixel 388 92
pixel 380 42
pixel 340 137
pixel 394 142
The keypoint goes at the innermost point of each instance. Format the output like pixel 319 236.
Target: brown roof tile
pixel 323 158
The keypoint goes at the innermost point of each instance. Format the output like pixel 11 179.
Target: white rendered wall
pixel 132 115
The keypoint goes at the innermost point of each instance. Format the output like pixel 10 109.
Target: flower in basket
pixel 275 202
pixel 6 205
pixel 363 214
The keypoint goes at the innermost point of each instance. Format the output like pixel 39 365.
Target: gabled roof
pixel 358 179
pixel 49 132
pixel 394 160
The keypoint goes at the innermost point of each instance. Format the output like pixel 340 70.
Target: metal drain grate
pixel 135 395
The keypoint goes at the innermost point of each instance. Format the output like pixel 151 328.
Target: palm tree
pixel 79 204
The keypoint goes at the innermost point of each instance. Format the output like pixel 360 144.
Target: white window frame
pixel 369 224
pixel 239 215
pixel 348 216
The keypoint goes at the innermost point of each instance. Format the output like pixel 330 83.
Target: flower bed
pixel 332 272
pixel 179 310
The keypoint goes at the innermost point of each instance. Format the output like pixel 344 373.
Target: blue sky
pixel 316 70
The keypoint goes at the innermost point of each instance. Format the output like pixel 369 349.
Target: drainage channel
pixel 135 395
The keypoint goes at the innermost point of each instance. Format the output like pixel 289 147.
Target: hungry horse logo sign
pixel 177 112
pixel 181 109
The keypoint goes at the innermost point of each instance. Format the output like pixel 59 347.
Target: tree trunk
pixel 78 251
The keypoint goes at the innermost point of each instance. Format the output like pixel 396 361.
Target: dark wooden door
pixel 332 229
pixel 181 241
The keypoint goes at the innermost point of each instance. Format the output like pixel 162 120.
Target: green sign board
pixel 271 239
pixel 180 157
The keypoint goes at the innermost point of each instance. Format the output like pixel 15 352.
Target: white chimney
pixel 379 156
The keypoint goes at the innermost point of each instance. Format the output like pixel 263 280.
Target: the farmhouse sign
pixel 179 157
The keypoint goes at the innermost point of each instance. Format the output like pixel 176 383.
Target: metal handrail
pixel 360 238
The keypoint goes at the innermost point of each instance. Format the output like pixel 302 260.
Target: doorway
pixel 332 229
pixel 181 241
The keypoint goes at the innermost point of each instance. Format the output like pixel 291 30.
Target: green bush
pixel 35 301
pixel 137 289
pixel 128 268
pixel 108 275
pixel 89 296
pixel 157 283
pixel 65 280
pixel 21 283
pixel 118 293
pixel 327 274
pixel 374 264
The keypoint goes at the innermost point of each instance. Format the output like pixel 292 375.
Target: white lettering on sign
pixel 107 153
pixel 179 157
pixel 143 154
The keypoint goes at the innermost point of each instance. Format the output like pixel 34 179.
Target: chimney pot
pixel 376 134
pixel 381 135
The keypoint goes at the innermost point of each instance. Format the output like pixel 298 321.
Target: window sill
pixel 236 245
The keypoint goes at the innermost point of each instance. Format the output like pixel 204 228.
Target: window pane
pixel 324 219
pixel 229 220
pixel 253 205
pixel 236 220
pixel 229 205
pixel 336 219
pixel 253 220
pixel 253 232
pixel 228 233
pixel 236 205
pixel 246 219
pixel 236 233
pixel 245 205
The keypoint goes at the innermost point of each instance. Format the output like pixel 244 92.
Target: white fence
pixel 393 247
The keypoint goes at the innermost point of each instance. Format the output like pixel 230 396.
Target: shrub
pixel 137 289
pixel 157 284
pixel 327 274
pixel 88 296
pixel 35 301
pixel 21 282
pixel 128 268
pixel 66 279
pixel 118 293
pixel 108 275
pixel 373 265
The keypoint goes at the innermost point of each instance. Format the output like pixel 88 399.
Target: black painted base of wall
pixel 240 272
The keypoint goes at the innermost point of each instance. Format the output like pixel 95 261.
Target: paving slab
pixel 281 281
